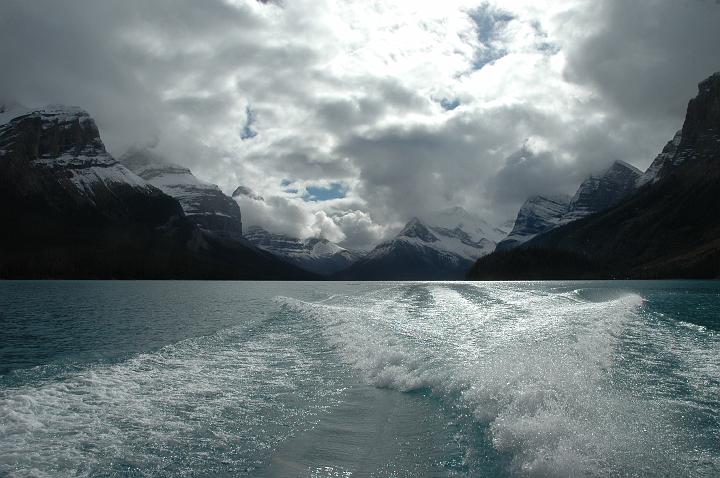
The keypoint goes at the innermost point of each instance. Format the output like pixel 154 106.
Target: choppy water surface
pixel 369 379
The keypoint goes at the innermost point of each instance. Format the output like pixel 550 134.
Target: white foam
pixel 536 369
pixel 218 400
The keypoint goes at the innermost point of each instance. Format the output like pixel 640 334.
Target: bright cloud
pixel 410 107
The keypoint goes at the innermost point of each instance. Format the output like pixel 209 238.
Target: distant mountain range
pixel 442 247
pixel 666 226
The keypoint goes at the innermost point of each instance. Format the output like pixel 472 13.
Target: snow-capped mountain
pixel 539 214
pixel 68 148
pixel 316 255
pixel 429 251
pixel 661 161
pixel 74 210
pixel 203 203
pixel 598 192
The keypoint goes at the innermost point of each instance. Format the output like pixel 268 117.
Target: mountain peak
pixel 416 228
pixel 619 164
pixel 599 192
pixel 701 130
pixel 246 191
pixel 710 83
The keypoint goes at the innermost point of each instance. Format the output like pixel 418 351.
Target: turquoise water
pixel 361 379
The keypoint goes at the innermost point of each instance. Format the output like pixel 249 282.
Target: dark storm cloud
pixel 525 173
pixel 422 169
pixel 647 57
pixel 112 58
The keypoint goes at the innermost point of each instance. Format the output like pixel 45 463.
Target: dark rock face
pixel 663 160
pixel 70 210
pixel 539 214
pixel 669 228
pixel 535 264
pixel 203 203
pixel 316 255
pixel 701 130
pixel 76 211
pixel 57 153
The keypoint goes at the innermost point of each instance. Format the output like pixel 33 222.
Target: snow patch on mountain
pixel 473 226
pixel 246 191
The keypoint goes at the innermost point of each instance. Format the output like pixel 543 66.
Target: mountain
pixel 539 214
pixel 246 191
pixel 314 254
pixel 669 228
pixel 73 211
pixel 203 203
pixel 662 161
pixel 421 251
pixel 598 192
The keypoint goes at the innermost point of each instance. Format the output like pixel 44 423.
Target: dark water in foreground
pixel 370 379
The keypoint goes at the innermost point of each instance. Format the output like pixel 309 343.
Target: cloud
pixel 647 57
pixel 410 106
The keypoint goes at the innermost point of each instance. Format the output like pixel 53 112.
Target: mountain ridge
pixel 668 228
pixel 317 255
pixel 203 203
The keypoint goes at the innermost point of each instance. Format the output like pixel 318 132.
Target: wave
pixel 218 403
pixel 537 370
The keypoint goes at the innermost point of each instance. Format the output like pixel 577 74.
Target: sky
pixel 348 117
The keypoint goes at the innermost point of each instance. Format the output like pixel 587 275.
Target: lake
pixel 378 379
